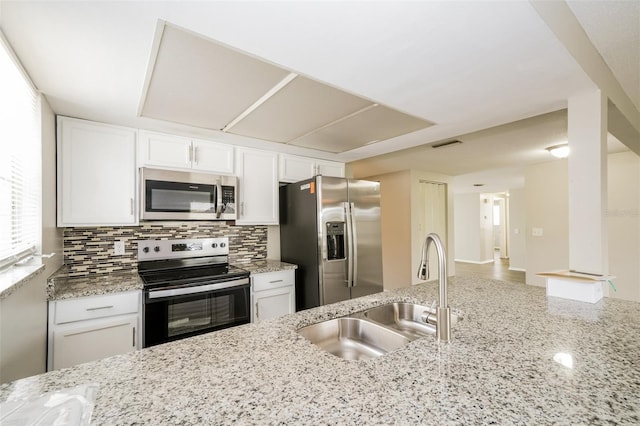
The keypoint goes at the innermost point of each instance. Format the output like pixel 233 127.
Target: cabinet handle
pixel 134 337
pixel 190 149
pixel 257 311
pixel 131 199
pixel 195 155
pixel 275 281
pixel 242 208
pixel 100 307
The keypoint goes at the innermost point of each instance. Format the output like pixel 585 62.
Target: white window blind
pixel 20 161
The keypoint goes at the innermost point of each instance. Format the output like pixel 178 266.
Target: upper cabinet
pixel 294 168
pixel 176 152
pixel 96 174
pixel 257 187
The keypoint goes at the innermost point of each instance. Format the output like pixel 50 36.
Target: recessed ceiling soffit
pixel 195 81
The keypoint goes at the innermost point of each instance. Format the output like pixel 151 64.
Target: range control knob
pixel 146 249
pixel 214 245
pixel 223 245
pixel 156 249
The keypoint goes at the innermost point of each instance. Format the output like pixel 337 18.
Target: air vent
pixel 441 144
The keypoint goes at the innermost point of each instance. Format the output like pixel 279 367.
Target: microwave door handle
pixel 218 199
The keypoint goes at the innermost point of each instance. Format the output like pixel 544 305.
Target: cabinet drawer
pixel 84 308
pixel 270 280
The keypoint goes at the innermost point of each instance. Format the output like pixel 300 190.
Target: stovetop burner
pixel 193 262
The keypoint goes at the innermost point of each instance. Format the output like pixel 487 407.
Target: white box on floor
pixel 583 291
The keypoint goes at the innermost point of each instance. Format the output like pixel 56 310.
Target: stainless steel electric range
pixel 190 288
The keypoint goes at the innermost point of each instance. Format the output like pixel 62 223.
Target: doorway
pixel 501 225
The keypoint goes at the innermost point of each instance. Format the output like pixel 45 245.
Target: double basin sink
pixel 373 332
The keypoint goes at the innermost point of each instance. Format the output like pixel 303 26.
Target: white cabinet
pixel 294 168
pixel 257 187
pixel 96 174
pixel 329 168
pixel 176 152
pixel 272 294
pixel 89 328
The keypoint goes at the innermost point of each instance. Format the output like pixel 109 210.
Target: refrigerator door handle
pixel 353 237
pixel 347 216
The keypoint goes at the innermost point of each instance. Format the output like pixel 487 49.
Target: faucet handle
pixel 429 317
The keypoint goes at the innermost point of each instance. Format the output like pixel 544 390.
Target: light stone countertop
pixel 265 265
pixel 60 286
pixel 498 369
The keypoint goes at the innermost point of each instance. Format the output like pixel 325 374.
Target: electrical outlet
pixel 536 232
pixel 118 248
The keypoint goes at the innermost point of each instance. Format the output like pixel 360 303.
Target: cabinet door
pixel 257 187
pixel 294 168
pixel 212 157
pixel 86 341
pixel 96 174
pixel 158 149
pixel 329 168
pixel 273 303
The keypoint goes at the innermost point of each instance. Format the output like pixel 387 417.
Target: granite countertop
pixel 265 265
pixel 61 286
pixel 498 369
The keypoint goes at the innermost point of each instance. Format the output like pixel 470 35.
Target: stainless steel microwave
pixel 177 195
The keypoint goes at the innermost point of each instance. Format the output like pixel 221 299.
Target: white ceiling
pixel 466 66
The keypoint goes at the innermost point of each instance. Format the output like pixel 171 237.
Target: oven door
pixel 175 314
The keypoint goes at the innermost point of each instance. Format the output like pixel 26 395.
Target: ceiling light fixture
pixel 559 151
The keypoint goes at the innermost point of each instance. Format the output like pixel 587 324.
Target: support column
pixel 587 130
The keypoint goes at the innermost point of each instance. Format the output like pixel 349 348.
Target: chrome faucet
pixel 443 312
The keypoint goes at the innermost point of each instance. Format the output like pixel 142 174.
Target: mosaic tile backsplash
pixel 90 250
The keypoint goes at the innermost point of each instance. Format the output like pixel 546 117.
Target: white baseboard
pixel 474 261
pixel 518 269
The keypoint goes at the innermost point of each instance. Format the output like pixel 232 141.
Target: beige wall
pixel 546 200
pixel 547 207
pixel 401 224
pixel 623 221
pixel 517 230
pixel 466 225
pixel 473 223
pixel 23 314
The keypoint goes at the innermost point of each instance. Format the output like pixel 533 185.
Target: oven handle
pixel 156 294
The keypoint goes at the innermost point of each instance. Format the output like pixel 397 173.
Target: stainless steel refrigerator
pixel 330 228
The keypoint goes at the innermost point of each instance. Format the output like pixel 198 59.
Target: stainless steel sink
pixel 353 338
pixel 413 321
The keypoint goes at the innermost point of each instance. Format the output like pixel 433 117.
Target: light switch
pixel 516 231
pixel 536 232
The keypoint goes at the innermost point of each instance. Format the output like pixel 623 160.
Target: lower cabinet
pixel 89 328
pixel 272 294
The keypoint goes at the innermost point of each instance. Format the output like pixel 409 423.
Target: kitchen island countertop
pixel 517 357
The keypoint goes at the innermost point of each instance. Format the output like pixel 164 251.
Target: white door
pixel 90 340
pixel 212 157
pixel 96 173
pixel 294 168
pixel 273 303
pixel 329 168
pixel 158 149
pixel 257 187
pixel 433 196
